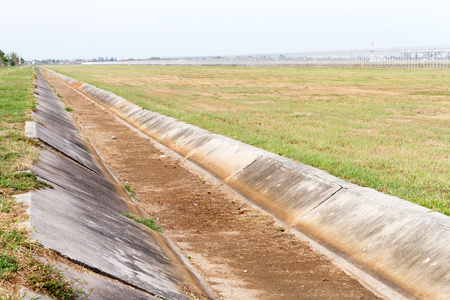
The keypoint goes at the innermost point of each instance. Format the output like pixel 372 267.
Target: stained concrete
pixel 94 287
pixel 388 236
pixel 77 179
pixel 89 233
pixel 265 182
pixel 62 145
pixel 102 289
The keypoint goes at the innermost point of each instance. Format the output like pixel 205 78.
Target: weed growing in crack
pixel 150 223
pixel 130 190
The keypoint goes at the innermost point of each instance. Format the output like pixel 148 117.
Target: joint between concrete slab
pixel 104 274
pixel 59 153
pixel 319 204
pixel 238 172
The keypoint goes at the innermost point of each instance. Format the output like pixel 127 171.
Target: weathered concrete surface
pixel 395 239
pixel 63 145
pixel 50 113
pixel 30 295
pixel 81 217
pixel 103 289
pixel 87 232
pixel 96 286
pixel 74 178
pixel 265 182
pixel 412 244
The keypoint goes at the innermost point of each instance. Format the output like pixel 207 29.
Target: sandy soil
pixel 240 251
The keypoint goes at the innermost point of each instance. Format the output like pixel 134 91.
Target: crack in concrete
pixel 239 172
pixel 334 193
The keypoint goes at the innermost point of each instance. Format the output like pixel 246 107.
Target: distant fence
pixel 390 58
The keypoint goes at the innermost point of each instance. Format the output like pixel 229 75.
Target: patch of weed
pixel 8 265
pixel 150 223
pixel 50 280
pixel 130 190
pixel 68 109
pixel 6 203
pixel 21 182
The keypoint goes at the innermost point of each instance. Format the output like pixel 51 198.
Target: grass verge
pixel 384 129
pixel 19 264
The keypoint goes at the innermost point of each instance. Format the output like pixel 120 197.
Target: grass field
pixel 384 129
pixel 19 255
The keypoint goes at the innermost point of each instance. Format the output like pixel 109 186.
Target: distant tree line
pixel 11 59
pixel 105 59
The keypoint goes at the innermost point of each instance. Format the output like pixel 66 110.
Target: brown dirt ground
pixel 239 250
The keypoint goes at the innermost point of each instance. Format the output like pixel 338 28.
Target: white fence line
pixel 393 58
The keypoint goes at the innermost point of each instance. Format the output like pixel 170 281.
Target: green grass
pixel 150 223
pixel 130 190
pixel 8 266
pixel 18 253
pixel 51 280
pixel 384 129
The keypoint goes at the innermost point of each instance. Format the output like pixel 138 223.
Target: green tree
pixel 3 59
pixel 14 59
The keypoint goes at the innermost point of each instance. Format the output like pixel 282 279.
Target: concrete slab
pixel 30 130
pixel 220 156
pixel 181 133
pixel 403 243
pixel 132 110
pixel 66 147
pixel 47 104
pixel 64 173
pixel 145 116
pixel 160 126
pixel 26 294
pixel 23 199
pixel 61 127
pixel 102 289
pixel 85 231
pixel 55 110
pixel 184 140
pixel 265 182
pixel 51 120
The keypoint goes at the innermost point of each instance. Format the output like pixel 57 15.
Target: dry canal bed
pixel 241 252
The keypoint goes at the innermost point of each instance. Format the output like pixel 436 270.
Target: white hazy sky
pixel 145 28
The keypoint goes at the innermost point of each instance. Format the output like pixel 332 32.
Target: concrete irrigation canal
pixel 82 216
pixel 239 222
